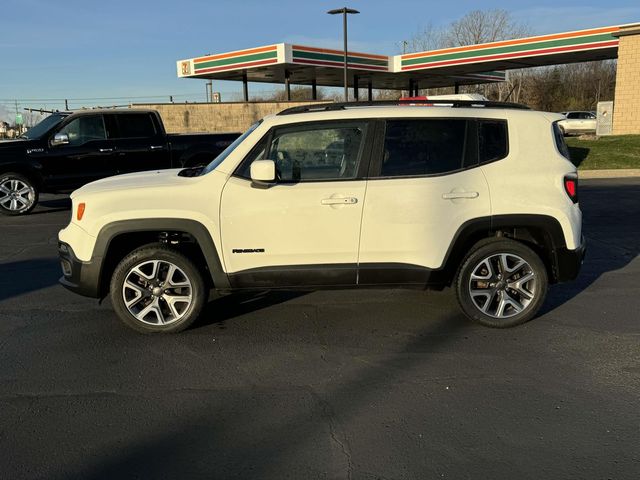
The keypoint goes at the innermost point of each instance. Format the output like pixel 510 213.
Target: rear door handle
pixel 454 195
pixel 339 201
pixel 156 147
pixel 105 150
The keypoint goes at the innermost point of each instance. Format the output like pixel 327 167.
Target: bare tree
pixel 483 26
pixel 427 38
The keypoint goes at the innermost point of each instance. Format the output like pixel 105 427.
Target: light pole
pixel 344 11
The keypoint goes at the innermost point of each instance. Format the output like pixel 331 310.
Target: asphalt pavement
pixel 372 384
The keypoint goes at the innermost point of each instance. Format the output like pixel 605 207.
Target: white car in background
pixel 578 122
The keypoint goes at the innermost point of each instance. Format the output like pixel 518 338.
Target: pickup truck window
pixel 133 125
pixel 84 129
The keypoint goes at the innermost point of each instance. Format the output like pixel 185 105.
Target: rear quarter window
pixel 561 145
pixel 493 140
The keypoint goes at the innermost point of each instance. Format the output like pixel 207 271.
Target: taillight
pixel 80 213
pixel 571 187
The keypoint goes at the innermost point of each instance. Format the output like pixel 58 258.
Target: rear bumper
pixel 80 277
pixel 569 262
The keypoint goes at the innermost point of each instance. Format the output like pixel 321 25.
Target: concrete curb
pixel 613 173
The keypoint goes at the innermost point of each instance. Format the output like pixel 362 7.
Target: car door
pixel 573 122
pixel 587 121
pixel 83 159
pixel 423 187
pixel 140 142
pixel 303 230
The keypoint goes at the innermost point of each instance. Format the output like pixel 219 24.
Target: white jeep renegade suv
pixel 477 195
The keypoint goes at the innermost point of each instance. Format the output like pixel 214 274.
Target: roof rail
pixel 327 107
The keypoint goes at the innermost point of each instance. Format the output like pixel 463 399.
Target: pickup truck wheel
pixel 156 289
pixel 17 194
pixel 501 284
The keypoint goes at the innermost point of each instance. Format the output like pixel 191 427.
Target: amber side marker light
pixel 80 213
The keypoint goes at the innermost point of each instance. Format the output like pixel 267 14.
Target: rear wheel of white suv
pixel 156 289
pixel 501 283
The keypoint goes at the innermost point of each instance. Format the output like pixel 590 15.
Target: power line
pixel 86 99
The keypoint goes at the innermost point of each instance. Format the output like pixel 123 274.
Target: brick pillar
pixel 626 108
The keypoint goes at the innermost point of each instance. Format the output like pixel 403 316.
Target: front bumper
pixel 569 262
pixel 80 277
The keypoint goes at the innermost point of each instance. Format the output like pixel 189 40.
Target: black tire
pixel 12 202
pixel 507 290
pixel 153 292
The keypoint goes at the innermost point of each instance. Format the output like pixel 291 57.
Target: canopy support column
pixel 287 85
pixel 314 89
pixel 245 87
pixel 370 90
pixel 355 87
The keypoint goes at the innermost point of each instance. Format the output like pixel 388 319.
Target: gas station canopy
pixel 472 64
pixel 297 64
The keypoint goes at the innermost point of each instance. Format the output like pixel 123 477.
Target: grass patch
pixel 620 151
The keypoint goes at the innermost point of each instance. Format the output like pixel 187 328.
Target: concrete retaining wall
pixel 215 117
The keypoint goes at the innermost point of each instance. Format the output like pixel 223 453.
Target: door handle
pixel 454 195
pixel 105 150
pixel 156 147
pixel 339 201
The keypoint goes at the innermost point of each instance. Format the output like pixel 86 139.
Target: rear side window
pixel 136 126
pixel 424 147
pixel 492 140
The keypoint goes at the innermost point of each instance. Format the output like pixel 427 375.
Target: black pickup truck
pixel 67 150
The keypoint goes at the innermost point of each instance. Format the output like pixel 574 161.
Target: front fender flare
pixel 192 227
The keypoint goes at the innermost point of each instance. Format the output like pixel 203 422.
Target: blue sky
pixel 94 49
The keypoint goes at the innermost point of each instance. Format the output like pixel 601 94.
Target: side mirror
pixel 60 139
pixel 263 172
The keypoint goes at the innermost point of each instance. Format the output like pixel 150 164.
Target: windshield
pixel 44 126
pixel 227 151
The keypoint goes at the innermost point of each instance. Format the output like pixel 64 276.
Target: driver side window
pixel 324 152
pixel 85 129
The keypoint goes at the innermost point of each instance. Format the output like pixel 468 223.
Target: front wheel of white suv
pixel 501 283
pixel 156 289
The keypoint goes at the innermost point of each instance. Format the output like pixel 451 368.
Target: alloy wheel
pixel 157 292
pixel 502 285
pixel 16 195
